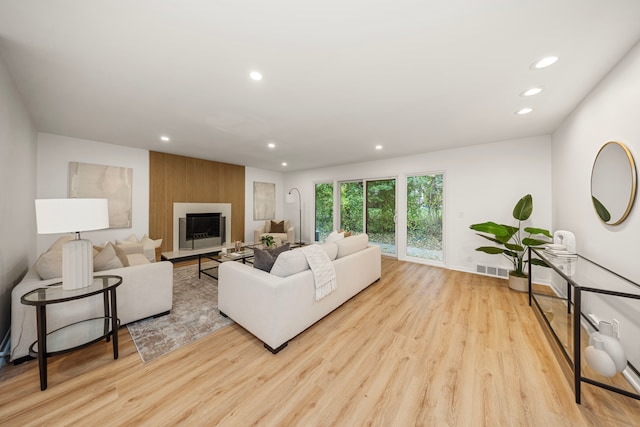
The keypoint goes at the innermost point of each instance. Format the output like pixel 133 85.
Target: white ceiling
pixel 340 76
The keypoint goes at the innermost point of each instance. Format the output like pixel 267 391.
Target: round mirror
pixel 613 183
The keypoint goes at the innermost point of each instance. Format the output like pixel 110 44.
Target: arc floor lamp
pixel 291 199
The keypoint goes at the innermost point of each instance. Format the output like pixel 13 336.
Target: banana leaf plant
pixel 509 239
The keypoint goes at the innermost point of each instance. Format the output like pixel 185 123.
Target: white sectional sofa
pixel 146 290
pixel 275 309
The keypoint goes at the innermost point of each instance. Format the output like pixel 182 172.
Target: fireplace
pixel 202 230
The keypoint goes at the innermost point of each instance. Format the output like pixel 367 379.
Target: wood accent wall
pixel 179 179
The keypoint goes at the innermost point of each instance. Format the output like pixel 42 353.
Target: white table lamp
pixel 55 216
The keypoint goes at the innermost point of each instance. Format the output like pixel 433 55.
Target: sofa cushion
pixel 293 262
pixel 267 226
pixel 289 263
pixel 136 259
pixel 149 243
pixel 264 259
pixel 57 245
pixel 156 243
pixel 334 236
pixel 277 227
pixel 130 248
pixel 107 259
pixel 121 254
pixel 353 244
pixel 331 249
pixel 49 265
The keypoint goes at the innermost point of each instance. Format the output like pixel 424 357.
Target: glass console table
pixel 564 315
pixel 78 334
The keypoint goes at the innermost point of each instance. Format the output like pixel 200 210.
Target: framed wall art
pixel 264 200
pixel 113 183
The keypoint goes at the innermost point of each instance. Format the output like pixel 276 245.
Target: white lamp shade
pixel 71 215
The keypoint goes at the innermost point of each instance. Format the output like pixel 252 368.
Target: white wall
pixel 252 175
pixel 18 140
pixel 54 154
pixel 610 112
pixel 482 183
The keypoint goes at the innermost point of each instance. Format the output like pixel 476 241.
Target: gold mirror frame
pixel 613 183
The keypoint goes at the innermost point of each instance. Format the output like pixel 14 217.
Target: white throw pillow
pixel 131 248
pixel 156 243
pixel 57 245
pixel 289 262
pixel 334 236
pixel 123 242
pixel 136 259
pixel 49 265
pixel 331 249
pixel 353 244
pixel 147 243
pixel 107 259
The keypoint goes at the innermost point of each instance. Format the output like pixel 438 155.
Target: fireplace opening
pixel 202 230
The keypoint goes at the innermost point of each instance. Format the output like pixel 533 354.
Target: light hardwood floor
pixel 423 346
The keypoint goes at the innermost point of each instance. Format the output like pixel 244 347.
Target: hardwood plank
pixel 423 346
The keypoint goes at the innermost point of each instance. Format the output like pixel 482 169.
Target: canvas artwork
pixel 113 183
pixel 264 200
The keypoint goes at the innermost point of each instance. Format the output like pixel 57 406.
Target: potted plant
pixel 511 243
pixel 267 240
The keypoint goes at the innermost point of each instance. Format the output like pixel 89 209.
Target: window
pixel 324 211
pixel 424 216
pixel 381 214
pixel 351 206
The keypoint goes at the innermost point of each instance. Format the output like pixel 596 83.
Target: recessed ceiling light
pixel 532 91
pixel 378 147
pixel 523 111
pixel 544 62
pixel 271 145
pixel 255 75
pixel 165 138
pixel 284 163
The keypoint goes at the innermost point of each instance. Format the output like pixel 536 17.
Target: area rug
pixel 194 315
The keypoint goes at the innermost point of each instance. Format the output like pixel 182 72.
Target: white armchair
pixel 289 234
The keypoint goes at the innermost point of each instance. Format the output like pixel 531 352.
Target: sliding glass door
pixel 351 206
pixel 324 210
pixel 369 206
pixel 381 214
pixel 425 202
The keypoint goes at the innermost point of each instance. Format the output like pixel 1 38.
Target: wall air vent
pixel 489 270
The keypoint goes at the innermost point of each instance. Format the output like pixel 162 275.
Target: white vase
pixel 612 344
pixel 599 359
